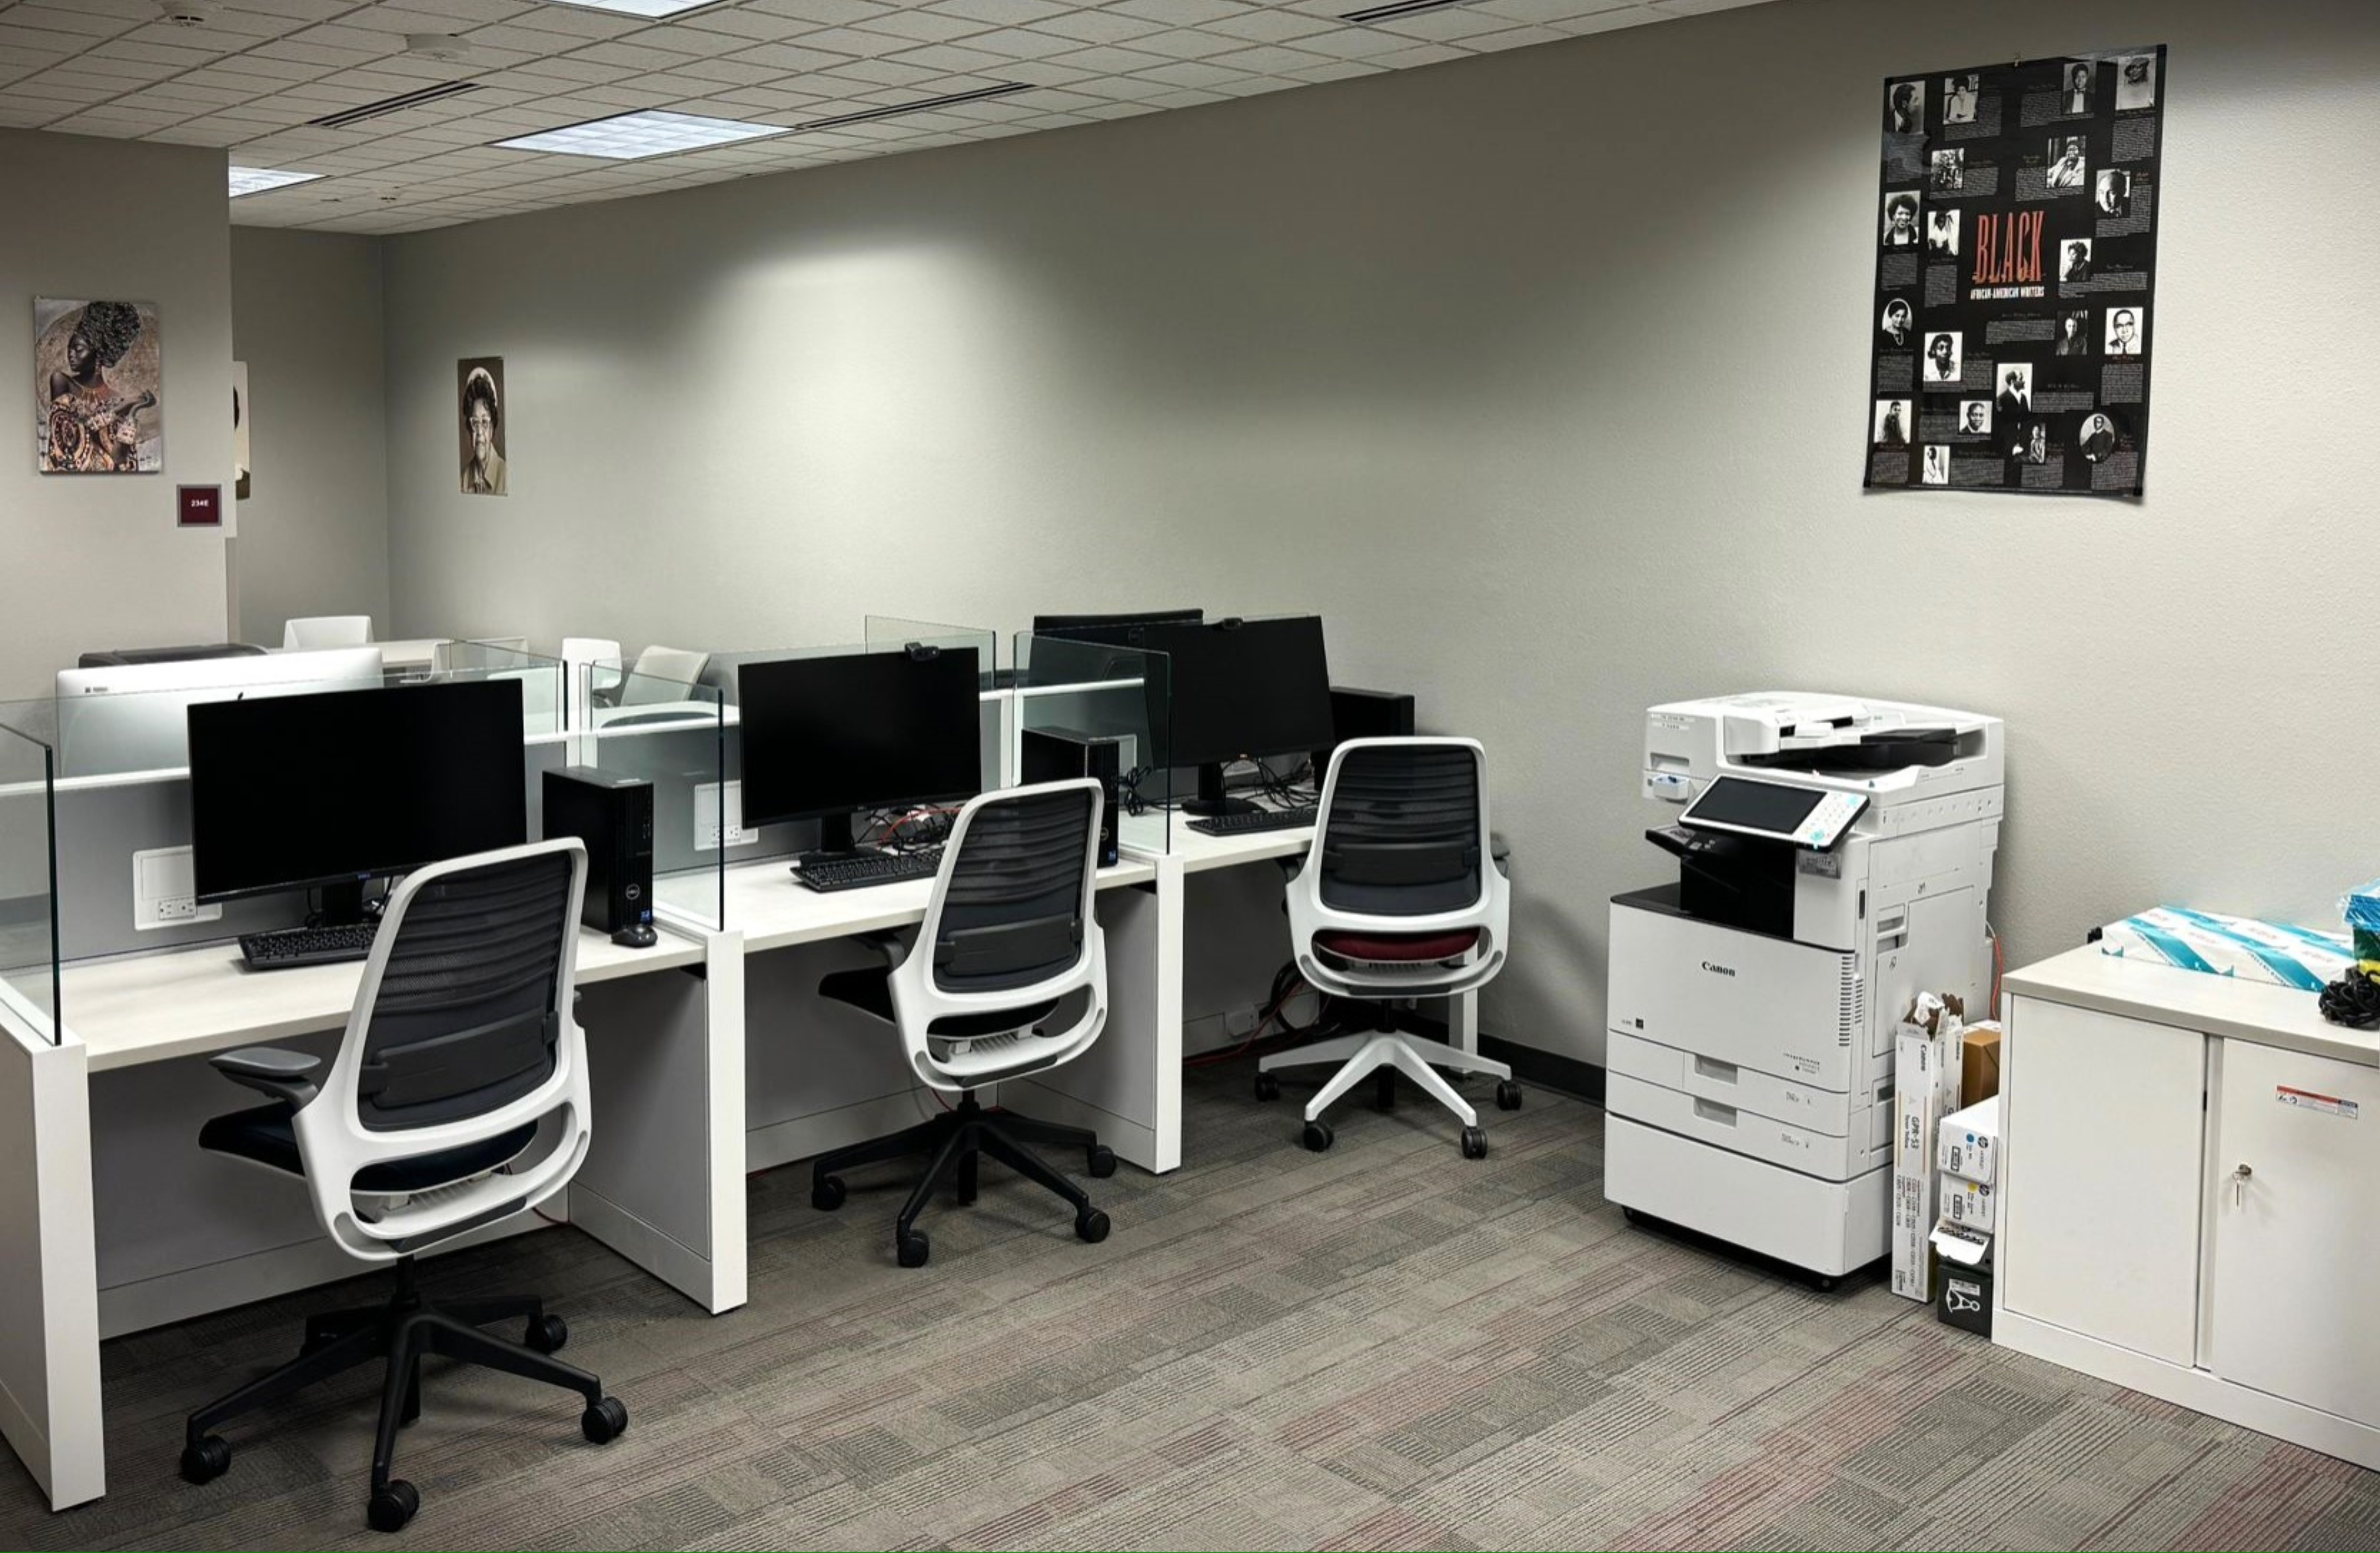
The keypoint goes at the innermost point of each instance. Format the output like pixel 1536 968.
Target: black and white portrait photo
pixel 2065 161
pixel 2124 330
pixel 2074 334
pixel 1976 417
pixel 1893 423
pixel 479 389
pixel 1949 170
pixel 2015 397
pixel 1900 220
pixel 2074 259
pixel 1942 233
pixel 1904 107
pixel 2135 81
pixel 2078 88
pixel 2115 197
pixel 1896 324
pixel 2037 443
pixel 1945 358
pixel 1959 94
pixel 1936 469
pixel 2098 436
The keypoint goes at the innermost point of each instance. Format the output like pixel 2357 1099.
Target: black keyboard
pixel 868 868
pixel 1249 822
pixel 307 946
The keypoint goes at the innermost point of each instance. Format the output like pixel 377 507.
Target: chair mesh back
pixel 1402 838
pixel 1014 912
pixel 466 1021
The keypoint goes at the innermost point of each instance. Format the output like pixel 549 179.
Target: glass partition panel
pixel 1073 693
pixel 29 882
pixel 673 735
pixel 544 682
pixel 114 721
pixel 886 633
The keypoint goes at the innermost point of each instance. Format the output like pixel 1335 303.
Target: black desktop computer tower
pixel 613 814
pixel 1062 754
pixel 1364 714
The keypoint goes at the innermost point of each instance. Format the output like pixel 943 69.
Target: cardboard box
pixel 1925 1088
pixel 1968 1144
pixel 1979 1069
pixel 1969 1205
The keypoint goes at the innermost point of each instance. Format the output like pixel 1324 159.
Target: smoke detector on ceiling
pixel 436 45
pixel 186 13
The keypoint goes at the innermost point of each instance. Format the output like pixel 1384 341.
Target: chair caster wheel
pixel 547 1334
pixel 1475 1143
pixel 604 1421
pixel 1508 1096
pixel 392 1507
pixel 827 1194
pixel 1318 1137
pixel 1268 1088
pixel 913 1249
pixel 1102 1161
pixel 1090 1226
pixel 1384 1090
pixel 205 1459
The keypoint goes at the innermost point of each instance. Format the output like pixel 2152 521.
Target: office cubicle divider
pixel 29 882
pixel 1070 689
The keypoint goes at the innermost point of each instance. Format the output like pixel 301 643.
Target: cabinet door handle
pixel 2240 1175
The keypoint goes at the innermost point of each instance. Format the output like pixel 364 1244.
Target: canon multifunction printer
pixel 1834 858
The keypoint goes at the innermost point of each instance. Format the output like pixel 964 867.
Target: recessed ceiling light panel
pixel 626 136
pixel 651 9
pixel 256 180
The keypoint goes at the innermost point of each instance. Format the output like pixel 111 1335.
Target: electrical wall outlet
pixel 164 892
pixel 712 829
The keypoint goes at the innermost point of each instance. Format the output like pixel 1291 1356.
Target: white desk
pixel 129 1224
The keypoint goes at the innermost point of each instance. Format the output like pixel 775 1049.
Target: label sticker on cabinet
pixel 2306 1099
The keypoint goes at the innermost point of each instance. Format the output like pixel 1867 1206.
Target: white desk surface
pixel 2216 1005
pixel 1195 853
pixel 146 1008
pixel 773 912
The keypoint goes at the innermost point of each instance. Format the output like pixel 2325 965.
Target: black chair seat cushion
pixel 266 1136
pixel 1399 946
pixel 869 990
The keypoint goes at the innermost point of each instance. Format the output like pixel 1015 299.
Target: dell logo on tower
pixel 1716 970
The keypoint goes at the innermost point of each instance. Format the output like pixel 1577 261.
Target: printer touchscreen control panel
pixel 1808 817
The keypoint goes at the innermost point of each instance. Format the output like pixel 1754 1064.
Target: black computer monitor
pixel 826 737
pixel 1054 624
pixel 1240 689
pixel 329 789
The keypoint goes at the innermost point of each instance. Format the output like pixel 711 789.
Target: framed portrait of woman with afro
pixel 96 399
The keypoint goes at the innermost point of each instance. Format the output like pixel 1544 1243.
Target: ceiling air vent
pixel 1371 14
pixel 927 105
pixel 396 104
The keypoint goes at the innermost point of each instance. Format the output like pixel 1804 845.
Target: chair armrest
pixel 1499 851
pixel 888 943
pixel 270 1070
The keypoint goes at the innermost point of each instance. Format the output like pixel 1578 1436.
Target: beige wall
pixel 1542 377
pixel 314 533
pixel 95 561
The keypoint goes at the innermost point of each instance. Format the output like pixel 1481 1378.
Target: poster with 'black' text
pixel 2015 277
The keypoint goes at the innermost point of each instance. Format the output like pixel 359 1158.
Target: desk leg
pixel 663 1180
pixel 1128 1087
pixel 49 1268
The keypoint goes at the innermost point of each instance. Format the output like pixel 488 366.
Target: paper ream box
pixel 2233 946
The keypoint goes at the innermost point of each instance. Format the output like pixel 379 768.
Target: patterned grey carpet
pixel 1384 1346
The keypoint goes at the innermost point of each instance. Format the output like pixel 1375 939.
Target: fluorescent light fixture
pixel 256 180
pixel 626 137
pixel 650 9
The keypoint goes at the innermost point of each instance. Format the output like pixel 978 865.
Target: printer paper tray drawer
pixel 1769 1004
pixel 1863 1115
pixel 1743 1132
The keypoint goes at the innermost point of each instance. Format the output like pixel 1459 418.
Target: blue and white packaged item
pixel 2362 909
pixel 2232 946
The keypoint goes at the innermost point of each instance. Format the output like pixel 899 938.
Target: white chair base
pixel 1416 1058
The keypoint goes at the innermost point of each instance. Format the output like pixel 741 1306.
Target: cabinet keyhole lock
pixel 2240 1175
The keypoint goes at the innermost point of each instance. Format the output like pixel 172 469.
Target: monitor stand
pixel 835 842
pixel 1210 799
pixel 343 906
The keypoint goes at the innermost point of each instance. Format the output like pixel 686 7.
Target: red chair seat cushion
pixel 1399 946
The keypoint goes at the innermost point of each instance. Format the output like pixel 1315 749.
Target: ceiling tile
pixel 1097 27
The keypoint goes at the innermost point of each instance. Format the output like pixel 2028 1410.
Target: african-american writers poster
pixel 2016 270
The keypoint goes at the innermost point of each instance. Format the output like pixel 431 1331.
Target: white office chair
pixel 660 674
pixel 457 1099
pixel 1400 898
pixel 1009 934
pixel 327 630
